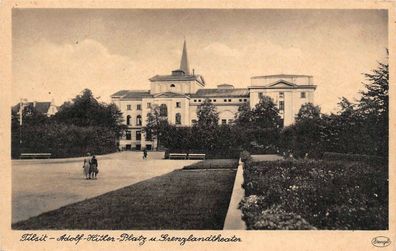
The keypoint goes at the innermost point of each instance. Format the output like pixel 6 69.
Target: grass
pixel 178 200
pixel 214 164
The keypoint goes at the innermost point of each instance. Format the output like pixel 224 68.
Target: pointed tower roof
pixel 184 65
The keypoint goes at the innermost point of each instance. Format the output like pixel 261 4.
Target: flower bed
pixel 308 194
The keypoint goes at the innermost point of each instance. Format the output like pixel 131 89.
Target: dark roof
pixel 236 92
pixel 132 94
pixel 170 95
pixel 120 93
pixel 197 78
pixel 282 76
pixel 41 107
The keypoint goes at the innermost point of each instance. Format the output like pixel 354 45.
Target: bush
pixel 66 140
pixel 245 156
pixel 259 217
pixel 328 194
pixel 353 157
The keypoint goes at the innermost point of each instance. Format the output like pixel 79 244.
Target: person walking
pixel 87 167
pixel 94 168
pixel 145 154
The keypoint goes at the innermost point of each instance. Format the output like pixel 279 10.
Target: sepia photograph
pixel 217 119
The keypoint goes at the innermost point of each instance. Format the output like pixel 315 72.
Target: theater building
pixel 180 93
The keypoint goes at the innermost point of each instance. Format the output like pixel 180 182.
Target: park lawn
pixel 181 199
pixel 214 164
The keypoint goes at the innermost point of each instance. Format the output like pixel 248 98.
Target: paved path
pixel 266 157
pixel 42 185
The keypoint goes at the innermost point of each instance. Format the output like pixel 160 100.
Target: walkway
pixel 42 185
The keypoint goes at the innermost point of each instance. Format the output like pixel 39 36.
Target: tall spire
pixel 184 65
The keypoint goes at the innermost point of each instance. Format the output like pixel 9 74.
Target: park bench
pixel 178 156
pixel 196 156
pixel 35 155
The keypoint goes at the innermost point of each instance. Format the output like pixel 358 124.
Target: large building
pixel 180 93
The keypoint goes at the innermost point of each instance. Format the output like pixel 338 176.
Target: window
pixel 138 135
pixel 225 100
pixel 139 107
pixel 163 110
pixel 303 95
pixel 260 94
pixel 210 100
pixel 229 100
pixel 195 100
pixel 240 100
pixel 148 105
pixel 128 120
pixel 128 107
pixel 230 121
pixel 138 120
pixel 214 100
pixel 178 104
pixel 281 95
pixel 245 100
pixel 223 121
pixel 194 121
pixel 281 105
pixel 172 85
pixel 199 100
pixel 128 135
pixel 178 119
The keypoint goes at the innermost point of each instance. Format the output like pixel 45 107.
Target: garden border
pixel 233 220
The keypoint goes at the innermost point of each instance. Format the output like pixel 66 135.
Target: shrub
pixel 353 157
pixel 328 194
pixel 245 156
pixel 259 217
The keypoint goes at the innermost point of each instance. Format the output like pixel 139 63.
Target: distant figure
pixel 87 167
pixel 94 167
pixel 144 154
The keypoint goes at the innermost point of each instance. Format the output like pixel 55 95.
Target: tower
pixel 184 65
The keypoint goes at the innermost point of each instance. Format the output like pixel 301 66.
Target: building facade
pixel 179 94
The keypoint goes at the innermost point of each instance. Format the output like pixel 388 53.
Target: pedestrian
pixel 145 154
pixel 87 167
pixel 94 168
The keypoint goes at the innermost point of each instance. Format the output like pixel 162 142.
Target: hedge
pixel 353 157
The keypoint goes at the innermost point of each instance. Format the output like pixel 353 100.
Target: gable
pixel 282 84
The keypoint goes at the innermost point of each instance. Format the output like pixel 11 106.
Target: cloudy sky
pixel 57 53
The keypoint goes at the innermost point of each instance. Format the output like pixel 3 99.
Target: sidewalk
pixel 42 185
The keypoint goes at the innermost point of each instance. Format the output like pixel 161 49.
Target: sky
pixel 59 52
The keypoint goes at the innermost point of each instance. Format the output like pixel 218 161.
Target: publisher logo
pixel 381 241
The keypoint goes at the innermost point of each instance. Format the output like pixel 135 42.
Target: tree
pixel 308 111
pixel 156 124
pixel 208 117
pixel 265 114
pixel 205 128
pixel 85 111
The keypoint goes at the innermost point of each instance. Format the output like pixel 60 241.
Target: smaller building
pixel 289 92
pixel 45 108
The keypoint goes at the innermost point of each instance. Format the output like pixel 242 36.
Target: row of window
pixel 282 94
pixel 223 121
pixel 139 106
pixel 215 100
pixel 139 119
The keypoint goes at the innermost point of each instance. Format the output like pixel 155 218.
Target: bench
pixel 196 156
pixel 35 155
pixel 178 156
